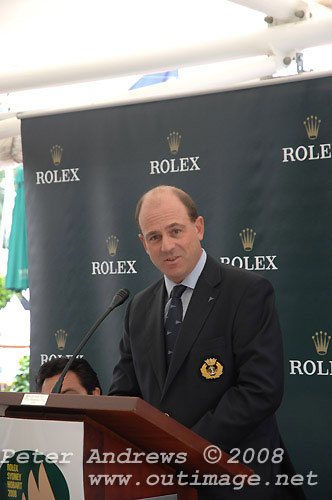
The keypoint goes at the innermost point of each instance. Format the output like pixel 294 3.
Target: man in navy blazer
pixel 225 374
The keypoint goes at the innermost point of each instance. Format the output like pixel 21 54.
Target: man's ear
pixel 141 237
pixel 96 391
pixel 199 223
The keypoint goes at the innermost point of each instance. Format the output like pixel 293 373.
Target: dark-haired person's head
pixel 80 379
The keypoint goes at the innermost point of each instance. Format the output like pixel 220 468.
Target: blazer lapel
pixel 154 328
pixel 201 304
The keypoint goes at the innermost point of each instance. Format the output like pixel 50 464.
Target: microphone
pixel 119 298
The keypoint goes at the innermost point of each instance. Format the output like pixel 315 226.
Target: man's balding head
pixel 170 230
pixel 155 193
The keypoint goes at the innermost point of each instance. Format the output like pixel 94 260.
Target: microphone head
pixel 120 297
pixel 124 294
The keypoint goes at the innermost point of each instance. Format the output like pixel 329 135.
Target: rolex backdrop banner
pixel 258 163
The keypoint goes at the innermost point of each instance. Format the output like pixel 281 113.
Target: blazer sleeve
pixel 258 370
pixel 124 382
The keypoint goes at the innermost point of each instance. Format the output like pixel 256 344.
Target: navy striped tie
pixel 173 320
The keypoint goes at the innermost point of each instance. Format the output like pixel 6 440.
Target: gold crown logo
pixel 211 369
pixel 56 153
pixel 247 237
pixel 112 244
pixel 312 124
pixel 174 139
pixel 211 361
pixel 61 338
pixel 321 341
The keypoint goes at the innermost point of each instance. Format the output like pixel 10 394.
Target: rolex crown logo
pixel 112 244
pixel 174 139
pixel 321 341
pixel 56 153
pixel 61 338
pixel 312 124
pixel 247 237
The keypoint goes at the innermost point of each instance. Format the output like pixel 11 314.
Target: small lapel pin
pixel 210 298
pixel 211 368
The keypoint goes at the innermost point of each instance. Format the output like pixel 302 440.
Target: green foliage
pixel 21 381
pixel 5 295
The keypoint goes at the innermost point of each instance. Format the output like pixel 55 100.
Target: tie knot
pixel 177 291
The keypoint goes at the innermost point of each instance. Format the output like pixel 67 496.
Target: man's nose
pixel 167 244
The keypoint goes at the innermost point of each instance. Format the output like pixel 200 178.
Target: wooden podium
pixel 116 424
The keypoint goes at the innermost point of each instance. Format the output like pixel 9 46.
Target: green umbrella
pixel 17 267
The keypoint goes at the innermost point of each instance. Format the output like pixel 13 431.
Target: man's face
pixel 71 385
pixel 169 237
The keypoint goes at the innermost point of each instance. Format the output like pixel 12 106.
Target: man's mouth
pixel 171 259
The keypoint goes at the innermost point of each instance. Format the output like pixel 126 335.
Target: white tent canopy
pixel 70 42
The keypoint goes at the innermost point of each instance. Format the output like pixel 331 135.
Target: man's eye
pixel 176 231
pixel 154 237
